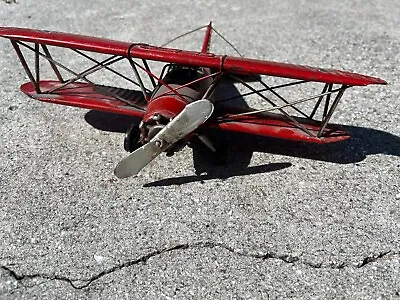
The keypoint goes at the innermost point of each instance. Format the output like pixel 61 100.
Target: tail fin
pixel 207 39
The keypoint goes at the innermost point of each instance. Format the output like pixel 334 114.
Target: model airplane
pixel 179 105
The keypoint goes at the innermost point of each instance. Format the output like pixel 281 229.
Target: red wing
pixel 66 40
pixel 97 97
pixel 303 127
pixel 78 90
pixel 223 63
pixel 244 65
pixel 276 126
pixel 236 65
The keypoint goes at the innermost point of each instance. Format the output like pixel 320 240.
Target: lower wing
pixel 97 97
pixel 276 126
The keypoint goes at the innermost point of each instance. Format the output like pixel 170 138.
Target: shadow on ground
pixel 235 150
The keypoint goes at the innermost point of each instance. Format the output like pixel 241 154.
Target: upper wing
pixel 223 63
pixel 237 65
pixel 87 94
pixel 66 40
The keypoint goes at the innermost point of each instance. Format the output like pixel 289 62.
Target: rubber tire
pixel 132 137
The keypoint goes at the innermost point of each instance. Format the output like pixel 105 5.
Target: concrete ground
pixel 304 222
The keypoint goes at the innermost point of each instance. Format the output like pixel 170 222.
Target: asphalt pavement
pixel 279 220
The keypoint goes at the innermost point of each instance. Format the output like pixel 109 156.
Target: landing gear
pixel 132 138
pixel 139 134
pixel 211 148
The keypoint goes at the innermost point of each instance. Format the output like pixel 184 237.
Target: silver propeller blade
pixel 189 119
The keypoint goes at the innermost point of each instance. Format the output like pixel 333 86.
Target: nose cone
pixel 167 106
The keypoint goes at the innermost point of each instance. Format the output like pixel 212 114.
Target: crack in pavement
pixel 23 277
pixel 199 245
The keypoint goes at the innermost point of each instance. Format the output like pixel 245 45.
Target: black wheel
pixel 132 137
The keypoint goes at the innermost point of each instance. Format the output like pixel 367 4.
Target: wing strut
pixel 299 125
pixel 139 79
pixel 82 75
pixel 53 66
pixel 319 101
pixel 77 76
pixel 146 65
pixel 26 67
pixel 332 109
pixel 37 63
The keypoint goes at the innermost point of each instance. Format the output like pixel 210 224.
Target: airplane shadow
pixel 235 150
pixel 219 173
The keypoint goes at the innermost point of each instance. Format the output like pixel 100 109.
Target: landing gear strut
pixel 132 138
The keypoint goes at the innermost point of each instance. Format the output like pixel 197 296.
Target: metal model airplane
pixel 178 105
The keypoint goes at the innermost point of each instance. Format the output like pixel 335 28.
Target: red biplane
pixel 178 105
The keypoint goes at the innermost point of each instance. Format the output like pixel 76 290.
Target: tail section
pixel 207 39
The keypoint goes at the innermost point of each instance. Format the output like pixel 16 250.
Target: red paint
pixel 272 125
pixel 80 95
pixel 207 37
pixel 188 58
pixel 66 40
pixel 167 106
pixel 278 128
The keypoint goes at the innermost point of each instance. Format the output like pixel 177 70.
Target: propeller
pixel 188 120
